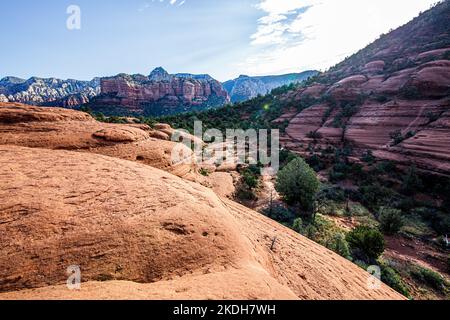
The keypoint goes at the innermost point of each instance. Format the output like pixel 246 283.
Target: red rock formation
pixel 395 84
pixel 160 93
pixel 55 128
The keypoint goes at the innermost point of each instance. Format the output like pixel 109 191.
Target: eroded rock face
pixel 137 228
pixel 55 128
pixel 396 84
pixel 158 94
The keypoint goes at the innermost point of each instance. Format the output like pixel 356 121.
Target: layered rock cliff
pixel 245 87
pixel 158 94
pixel 392 98
pixel 48 92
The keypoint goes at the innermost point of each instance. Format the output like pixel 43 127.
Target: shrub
pixel 386 167
pixel 411 92
pixel 281 214
pixel 446 55
pixel 430 278
pixel 334 193
pixel 298 225
pixel 339 245
pixel 411 181
pixel 310 231
pixel 298 184
pixel 204 172
pixel 381 98
pixel 250 179
pixel 366 243
pixel 391 220
pixel 396 136
pixel 374 196
pixel 432 117
pixel 286 157
pixel 391 277
pixel 316 163
pixel 340 171
pixel 314 135
pixel 244 194
pixel 368 157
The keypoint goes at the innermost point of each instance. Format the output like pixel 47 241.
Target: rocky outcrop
pixel 392 98
pixel 62 129
pixel 140 233
pixel 48 92
pixel 245 87
pixel 158 94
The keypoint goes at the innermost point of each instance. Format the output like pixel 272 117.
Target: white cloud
pixel 177 3
pixel 306 34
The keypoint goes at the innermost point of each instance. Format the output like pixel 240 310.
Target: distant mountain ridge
pixel 48 91
pixel 159 93
pixel 246 87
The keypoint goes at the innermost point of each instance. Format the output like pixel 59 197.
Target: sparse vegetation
pixel 398 137
pixel 431 279
pixel 393 279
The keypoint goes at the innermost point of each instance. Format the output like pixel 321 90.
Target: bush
pixel 314 135
pixel 430 278
pixel 386 167
pixel 339 245
pixel 250 179
pixel 286 157
pixel 411 181
pixel 340 171
pixel 391 277
pixel 397 137
pixel 298 225
pixel 391 220
pixel 244 194
pixel 298 184
pixel 366 243
pixel 410 92
pixel 316 163
pixel 375 195
pixel 368 157
pixel 280 214
pixel 204 172
pixel 432 117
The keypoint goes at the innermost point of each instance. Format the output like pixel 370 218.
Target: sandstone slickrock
pixel 158 94
pixel 147 234
pixel 56 128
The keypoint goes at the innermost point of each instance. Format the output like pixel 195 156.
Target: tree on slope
pixel 298 184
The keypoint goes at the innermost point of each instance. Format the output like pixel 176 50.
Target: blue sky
pixel 224 38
